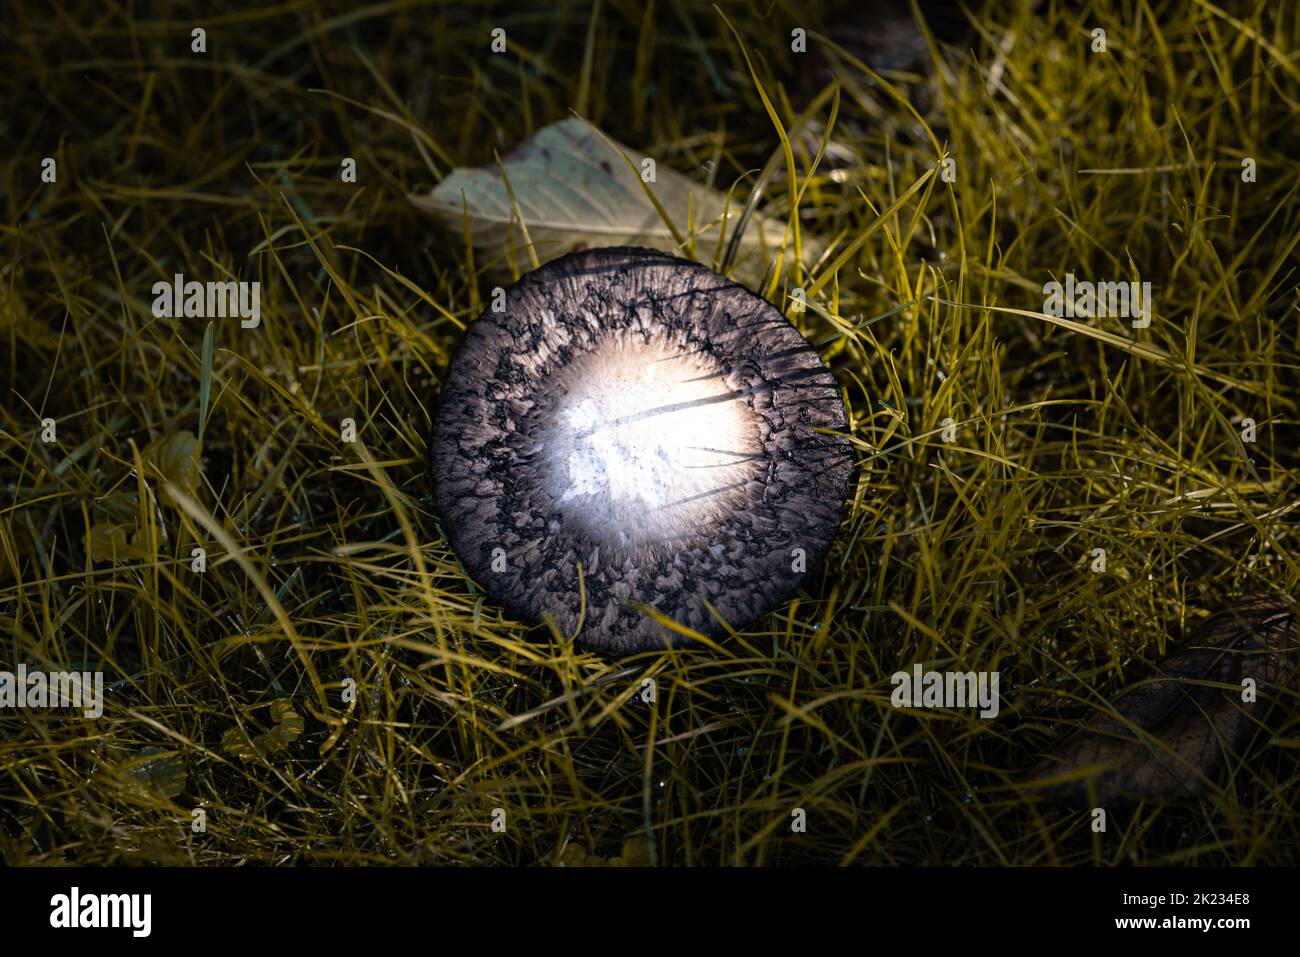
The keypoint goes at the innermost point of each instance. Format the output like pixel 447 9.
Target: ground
pixel 331 688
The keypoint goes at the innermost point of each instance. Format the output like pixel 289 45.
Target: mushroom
pixel 632 431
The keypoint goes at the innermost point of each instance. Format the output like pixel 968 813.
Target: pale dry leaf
pixel 575 190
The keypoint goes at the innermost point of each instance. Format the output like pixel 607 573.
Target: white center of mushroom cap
pixel 648 442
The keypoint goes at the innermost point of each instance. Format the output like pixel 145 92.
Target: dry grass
pixel 325 562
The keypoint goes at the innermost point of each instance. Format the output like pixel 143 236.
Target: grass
pixel 328 592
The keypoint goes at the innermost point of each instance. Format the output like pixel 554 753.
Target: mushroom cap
pixel 633 431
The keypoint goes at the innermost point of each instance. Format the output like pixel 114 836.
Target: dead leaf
pixel 577 855
pixel 237 744
pixel 116 543
pixel 175 457
pixel 118 508
pixel 1167 737
pixel 288 723
pixel 635 853
pixel 287 726
pixel 160 769
pixel 576 191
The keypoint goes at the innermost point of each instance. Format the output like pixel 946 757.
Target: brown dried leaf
pixel 1167 737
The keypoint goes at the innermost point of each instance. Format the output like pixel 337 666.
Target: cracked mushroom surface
pixel 634 438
